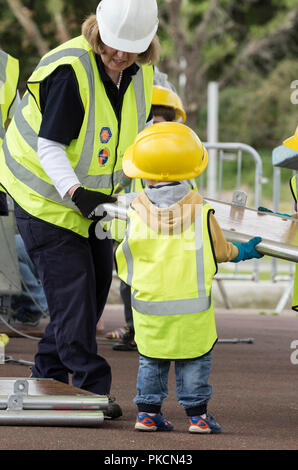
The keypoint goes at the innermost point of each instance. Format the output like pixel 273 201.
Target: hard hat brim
pixel 180 116
pixel 124 45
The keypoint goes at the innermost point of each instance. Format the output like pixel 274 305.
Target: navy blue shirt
pixel 61 105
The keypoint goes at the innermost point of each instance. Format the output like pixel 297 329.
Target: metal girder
pixel 239 224
pixel 21 409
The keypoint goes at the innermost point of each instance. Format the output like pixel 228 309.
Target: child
pixel 166 106
pixel 169 256
pixel 292 142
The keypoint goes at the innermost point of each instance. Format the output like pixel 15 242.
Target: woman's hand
pixel 87 200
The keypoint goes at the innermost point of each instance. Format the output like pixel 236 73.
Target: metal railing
pixel 227 152
pixel 238 149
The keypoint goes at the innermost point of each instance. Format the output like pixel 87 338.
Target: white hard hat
pixel 127 25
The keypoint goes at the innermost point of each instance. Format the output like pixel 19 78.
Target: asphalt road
pixel 255 394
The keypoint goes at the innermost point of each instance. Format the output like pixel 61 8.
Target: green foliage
pixel 265 113
pixel 14 40
pixel 259 111
pixel 232 45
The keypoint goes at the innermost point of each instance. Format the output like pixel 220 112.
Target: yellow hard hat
pixel 292 142
pixel 165 97
pixel 167 151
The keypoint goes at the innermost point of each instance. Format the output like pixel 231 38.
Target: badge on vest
pixel 103 156
pixel 105 135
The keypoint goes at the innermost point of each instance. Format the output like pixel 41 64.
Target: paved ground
pixel 255 393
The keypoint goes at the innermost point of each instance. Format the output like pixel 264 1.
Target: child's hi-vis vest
pixel 293 185
pixel 9 79
pixel 96 155
pixel 171 278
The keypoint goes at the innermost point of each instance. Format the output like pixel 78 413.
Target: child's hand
pixel 264 209
pixel 248 250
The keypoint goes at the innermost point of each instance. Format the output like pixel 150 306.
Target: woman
pixel 62 157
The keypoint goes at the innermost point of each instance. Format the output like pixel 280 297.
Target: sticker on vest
pixel 103 156
pixel 105 135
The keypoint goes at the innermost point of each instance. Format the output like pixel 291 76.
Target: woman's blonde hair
pixel 91 32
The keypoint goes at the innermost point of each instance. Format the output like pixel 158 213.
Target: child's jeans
pixel 192 388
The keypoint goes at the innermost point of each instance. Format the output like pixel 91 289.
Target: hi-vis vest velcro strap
pixel 30 136
pixel 179 306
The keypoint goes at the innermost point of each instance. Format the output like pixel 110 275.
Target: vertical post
pixel 182 78
pixel 212 137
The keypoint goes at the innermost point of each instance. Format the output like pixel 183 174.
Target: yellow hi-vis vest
pixel 9 79
pixel 96 155
pixel 293 186
pixel 171 279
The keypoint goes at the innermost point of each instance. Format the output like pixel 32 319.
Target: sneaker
pixel 127 343
pixel 203 425
pixel 113 410
pixel 117 334
pixel 145 422
pixel 123 346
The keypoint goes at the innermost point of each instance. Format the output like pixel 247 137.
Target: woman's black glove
pixel 87 200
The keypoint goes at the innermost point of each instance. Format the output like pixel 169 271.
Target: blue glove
pixel 263 209
pixel 247 250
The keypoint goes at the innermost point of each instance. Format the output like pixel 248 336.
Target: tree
pixel 201 40
pixel 43 25
pixel 221 40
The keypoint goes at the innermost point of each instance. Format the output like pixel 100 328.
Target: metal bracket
pixel 50 410
pixel 21 387
pixel 239 198
pixel 15 401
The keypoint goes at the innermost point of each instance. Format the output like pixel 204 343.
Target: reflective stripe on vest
pixel 172 307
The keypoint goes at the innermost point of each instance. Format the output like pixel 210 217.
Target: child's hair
pixel 168 113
